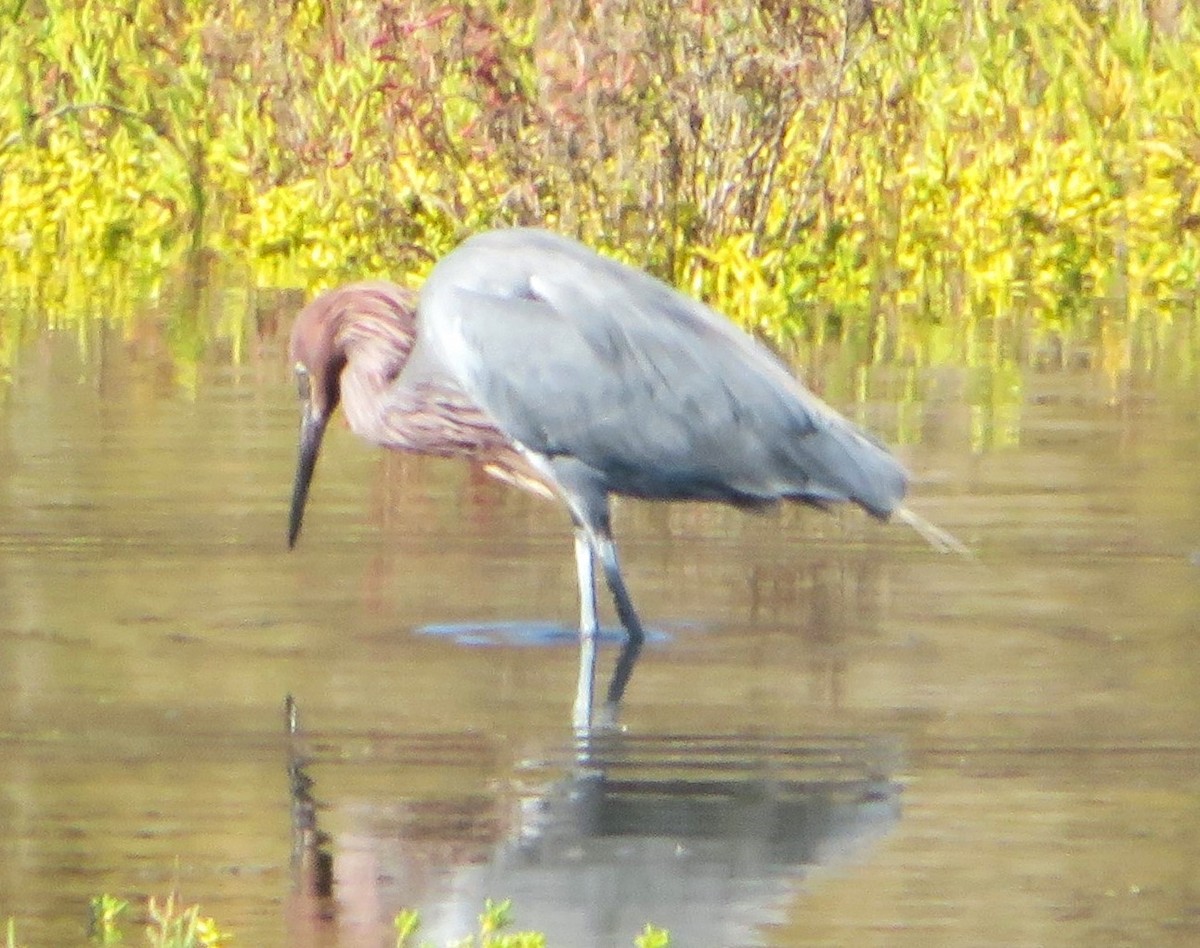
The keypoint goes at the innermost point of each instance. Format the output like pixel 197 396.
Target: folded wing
pixel 576 355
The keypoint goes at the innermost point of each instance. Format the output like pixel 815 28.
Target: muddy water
pixel 835 737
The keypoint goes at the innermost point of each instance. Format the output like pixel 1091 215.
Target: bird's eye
pixel 302 384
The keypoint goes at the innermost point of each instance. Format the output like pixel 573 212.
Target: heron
pixel 576 377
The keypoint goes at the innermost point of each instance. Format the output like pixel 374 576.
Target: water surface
pixel 835 736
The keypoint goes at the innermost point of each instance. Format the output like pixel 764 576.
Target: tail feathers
pixel 836 462
pixel 941 540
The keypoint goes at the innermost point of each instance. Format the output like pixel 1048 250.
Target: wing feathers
pixel 577 355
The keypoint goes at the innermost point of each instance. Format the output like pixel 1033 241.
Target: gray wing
pixel 575 355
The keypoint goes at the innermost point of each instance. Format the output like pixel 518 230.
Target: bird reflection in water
pixel 705 836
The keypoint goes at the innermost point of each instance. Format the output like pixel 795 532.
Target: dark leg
pixel 587 500
pixel 634 635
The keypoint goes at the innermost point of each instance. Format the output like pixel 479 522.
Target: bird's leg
pixel 606 552
pixel 588 502
pixel 588 628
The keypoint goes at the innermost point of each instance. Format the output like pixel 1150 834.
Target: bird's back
pixel 585 361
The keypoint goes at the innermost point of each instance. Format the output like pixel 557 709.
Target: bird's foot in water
pixel 604 722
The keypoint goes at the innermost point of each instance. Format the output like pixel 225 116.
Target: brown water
pixel 836 736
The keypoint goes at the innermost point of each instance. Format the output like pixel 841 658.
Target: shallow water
pixel 834 736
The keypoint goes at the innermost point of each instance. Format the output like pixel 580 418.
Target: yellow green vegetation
pixel 493 922
pixel 166 924
pixel 796 164
pixel 171 924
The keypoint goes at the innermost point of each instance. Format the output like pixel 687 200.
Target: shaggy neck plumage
pixel 373 333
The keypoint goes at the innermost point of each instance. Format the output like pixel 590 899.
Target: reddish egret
pixel 577 377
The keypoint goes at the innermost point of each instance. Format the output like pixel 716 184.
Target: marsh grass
pixel 495 918
pixel 494 923
pixel 167 923
pixel 170 923
pixel 811 169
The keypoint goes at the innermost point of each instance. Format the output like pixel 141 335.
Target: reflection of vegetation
pixel 183 312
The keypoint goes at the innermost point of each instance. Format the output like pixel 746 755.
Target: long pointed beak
pixel 312 428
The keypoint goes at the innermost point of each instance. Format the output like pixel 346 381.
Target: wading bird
pixel 576 377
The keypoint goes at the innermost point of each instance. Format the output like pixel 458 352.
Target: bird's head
pixel 368 327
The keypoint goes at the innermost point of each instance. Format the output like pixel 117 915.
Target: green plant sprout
pixel 493 922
